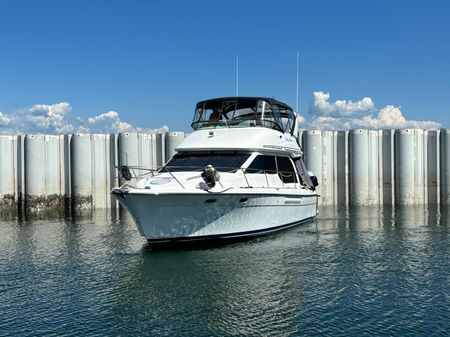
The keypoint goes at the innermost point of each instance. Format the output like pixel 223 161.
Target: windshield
pixel 243 112
pixel 225 162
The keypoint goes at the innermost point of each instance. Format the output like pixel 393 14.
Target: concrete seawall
pixel 356 167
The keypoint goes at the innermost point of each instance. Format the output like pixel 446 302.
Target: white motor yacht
pixel 239 174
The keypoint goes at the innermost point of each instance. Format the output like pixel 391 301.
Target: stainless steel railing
pixel 135 174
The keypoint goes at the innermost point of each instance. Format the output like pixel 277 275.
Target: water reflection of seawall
pixel 365 217
pixel 57 271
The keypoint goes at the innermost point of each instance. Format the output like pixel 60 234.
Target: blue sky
pixel 146 63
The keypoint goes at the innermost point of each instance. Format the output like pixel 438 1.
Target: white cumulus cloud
pixel 56 119
pixel 47 117
pixel 4 120
pixel 109 121
pixel 344 115
pixel 341 108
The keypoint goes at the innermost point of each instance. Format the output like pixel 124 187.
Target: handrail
pixel 149 171
pixel 138 168
pixel 175 178
pixel 245 172
pixel 285 174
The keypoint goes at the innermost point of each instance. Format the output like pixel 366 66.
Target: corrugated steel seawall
pixel 52 171
pixel 356 167
pixel 380 167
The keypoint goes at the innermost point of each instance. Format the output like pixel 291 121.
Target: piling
pixel 387 163
pixel 364 167
pixel 9 193
pixel 328 168
pixel 445 165
pixel 341 166
pixel 409 167
pixel 158 149
pixel 312 148
pixel 359 168
pixel 432 166
pixel 172 140
pixel 44 171
pixel 140 150
pixel 92 171
pixel 81 170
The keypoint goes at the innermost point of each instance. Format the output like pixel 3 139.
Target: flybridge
pixel 244 112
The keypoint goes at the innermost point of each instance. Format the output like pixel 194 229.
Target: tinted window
pixel 265 116
pixel 245 109
pixel 276 113
pixel 285 170
pixel 229 107
pixel 261 164
pixel 212 111
pixel 242 112
pixel 287 118
pixel 291 120
pixel 228 162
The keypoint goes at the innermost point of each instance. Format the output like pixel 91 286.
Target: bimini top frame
pixel 244 112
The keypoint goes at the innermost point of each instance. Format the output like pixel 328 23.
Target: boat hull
pixel 193 217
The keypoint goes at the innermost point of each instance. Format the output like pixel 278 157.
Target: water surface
pixel 363 271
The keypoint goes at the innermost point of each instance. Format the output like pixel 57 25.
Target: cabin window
pixel 286 170
pixel 225 162
pixel 262 164
pixel 271 164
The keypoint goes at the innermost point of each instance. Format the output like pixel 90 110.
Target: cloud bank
pixel 55 119
pixel 345 115
pixel 323 114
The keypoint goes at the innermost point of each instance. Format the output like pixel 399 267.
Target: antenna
pixel 237 75
pixel 296 89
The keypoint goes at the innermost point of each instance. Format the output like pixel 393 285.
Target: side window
pixel 261 164
pixel 265 115
pixel 283 118
pixel 271 165
pixel 276 113
pixel 287 119
pixel 256 166
pixel 285 170
pixel 291 120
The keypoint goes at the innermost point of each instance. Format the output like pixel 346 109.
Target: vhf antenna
pixel 237 75
pixel 296 109
pixel 296 89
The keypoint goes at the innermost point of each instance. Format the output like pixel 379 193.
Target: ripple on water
pixel 352 272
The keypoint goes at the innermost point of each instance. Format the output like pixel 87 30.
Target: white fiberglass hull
pixel 189 216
